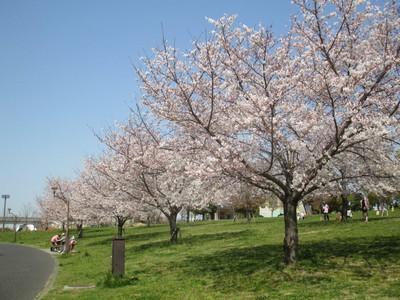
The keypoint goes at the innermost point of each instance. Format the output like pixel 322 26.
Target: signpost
pixel 118 256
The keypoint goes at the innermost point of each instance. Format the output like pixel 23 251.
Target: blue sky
pixel 65 69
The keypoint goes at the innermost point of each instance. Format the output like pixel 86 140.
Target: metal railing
pixel 22 220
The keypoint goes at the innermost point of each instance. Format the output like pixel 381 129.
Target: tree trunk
pixel 174 230
pixel 291 241
pixel 248 212
pixel 120 223
pixel 188 216
pixel 345 205
pixel 79 229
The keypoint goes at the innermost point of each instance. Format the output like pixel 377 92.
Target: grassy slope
pixel 226 260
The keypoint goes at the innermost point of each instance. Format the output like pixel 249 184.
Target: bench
pixel 56 247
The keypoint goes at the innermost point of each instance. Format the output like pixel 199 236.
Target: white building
pixel 267 212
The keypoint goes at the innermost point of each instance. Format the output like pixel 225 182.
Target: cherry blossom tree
pixel 103 194
pixel 246 199
pixel 62 200
pixel 154 168
pixel 371 171
pixel 278 113
pixel 50 210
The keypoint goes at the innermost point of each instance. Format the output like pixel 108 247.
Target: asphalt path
pixel 25 272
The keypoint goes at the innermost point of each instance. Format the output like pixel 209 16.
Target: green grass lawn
pixel 227 260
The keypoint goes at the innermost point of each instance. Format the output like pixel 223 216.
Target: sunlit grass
pixel 235 260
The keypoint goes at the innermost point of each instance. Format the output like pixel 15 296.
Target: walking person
pixel 325 210
pixel 384 210
pixel 365 207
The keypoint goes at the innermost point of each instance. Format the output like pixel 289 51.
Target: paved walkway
pixel 25 272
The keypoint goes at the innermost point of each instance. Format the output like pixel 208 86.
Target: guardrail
pixel 11 220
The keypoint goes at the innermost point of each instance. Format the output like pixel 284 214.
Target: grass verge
pixel 234 260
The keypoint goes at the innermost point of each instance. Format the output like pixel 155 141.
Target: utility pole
pixel 4 211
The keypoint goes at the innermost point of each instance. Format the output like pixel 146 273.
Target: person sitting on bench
pixel 57 242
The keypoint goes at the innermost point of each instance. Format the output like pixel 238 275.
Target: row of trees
pixel 352 201
pixel 306 114
pixel 140 174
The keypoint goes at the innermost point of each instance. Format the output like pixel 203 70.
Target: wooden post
pixel 118 256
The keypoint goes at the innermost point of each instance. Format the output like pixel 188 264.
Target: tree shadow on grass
pixel 107 240
pixel 376 248
pixel 104 239
pixel 97 236
pixel 225 236
pixel 234 268
pixel 148 246
pixel 256 266
pixel 147 236
pixel 187 240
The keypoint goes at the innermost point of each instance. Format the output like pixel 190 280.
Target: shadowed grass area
pixel 236 260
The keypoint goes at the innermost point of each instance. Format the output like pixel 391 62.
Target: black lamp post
pixel 4 211
pixel 15 224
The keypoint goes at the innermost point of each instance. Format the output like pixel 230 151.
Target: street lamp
pixel 15 224
pixel 66 201
pixel 4 211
